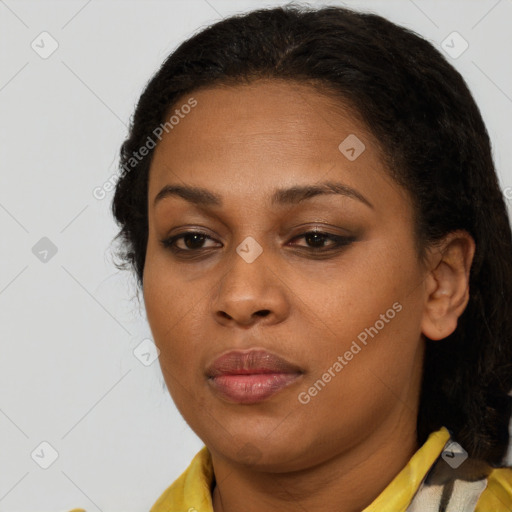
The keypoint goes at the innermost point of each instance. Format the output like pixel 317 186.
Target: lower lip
pixel 253 388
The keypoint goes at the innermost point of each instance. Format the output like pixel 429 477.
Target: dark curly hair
pixel 434 143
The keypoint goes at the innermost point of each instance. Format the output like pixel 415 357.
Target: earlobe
pixel 447 285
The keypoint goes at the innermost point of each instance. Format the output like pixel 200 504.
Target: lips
pixel 250 376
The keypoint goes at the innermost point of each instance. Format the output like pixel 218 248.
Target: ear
pixel 447 284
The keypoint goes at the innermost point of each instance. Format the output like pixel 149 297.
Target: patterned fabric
pixel 447 489
pixel 464 487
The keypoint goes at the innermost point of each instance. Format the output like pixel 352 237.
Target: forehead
pixel 276 111
pixel 250 138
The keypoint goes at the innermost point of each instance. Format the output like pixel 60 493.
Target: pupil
pixel 196 237
pixel 319 238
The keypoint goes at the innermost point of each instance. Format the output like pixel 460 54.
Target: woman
pixel 309 202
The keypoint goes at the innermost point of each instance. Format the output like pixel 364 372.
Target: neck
pixel 347 482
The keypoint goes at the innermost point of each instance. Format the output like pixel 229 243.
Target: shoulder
pixel 497 496
pixel 472 485
pixel 192 489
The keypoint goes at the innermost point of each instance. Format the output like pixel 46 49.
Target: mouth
pixel 248 377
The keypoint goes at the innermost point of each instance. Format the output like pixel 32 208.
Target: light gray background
pixel 69 326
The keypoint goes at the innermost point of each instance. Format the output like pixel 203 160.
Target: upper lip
pixel 246 362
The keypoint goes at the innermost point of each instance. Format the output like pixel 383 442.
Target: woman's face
pixel 342 308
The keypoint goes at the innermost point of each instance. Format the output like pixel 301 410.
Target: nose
pixel 250 292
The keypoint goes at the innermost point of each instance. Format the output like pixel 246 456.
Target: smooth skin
pixel 301 298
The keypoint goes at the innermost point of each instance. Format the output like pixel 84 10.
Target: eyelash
pixel 339 241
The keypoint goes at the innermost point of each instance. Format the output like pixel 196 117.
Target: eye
pixel 193 241
pixel 317 239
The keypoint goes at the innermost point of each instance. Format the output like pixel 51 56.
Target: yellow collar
pixel 191 492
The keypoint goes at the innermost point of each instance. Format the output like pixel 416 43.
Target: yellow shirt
pixel 191 492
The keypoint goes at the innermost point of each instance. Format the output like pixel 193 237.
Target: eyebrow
pixel 284 196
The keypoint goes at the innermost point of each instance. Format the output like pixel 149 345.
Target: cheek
pixel 369 309
pixel 169 308
pixel 352 293
pixel 375 331
pixel 166 296
pixel 170 314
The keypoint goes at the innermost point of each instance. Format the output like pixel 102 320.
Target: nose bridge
pixel 248 285
pixel 246 269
